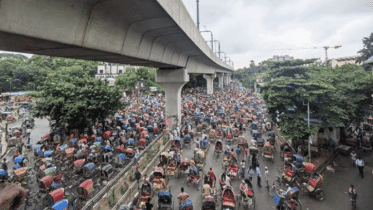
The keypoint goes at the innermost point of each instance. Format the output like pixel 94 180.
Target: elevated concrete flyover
pixel 156 33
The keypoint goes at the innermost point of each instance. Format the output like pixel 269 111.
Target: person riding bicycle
pixel 182 196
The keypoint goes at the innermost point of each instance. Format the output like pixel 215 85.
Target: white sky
pixel 254 29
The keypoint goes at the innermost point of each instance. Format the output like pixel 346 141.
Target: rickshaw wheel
pixel 319 194
pixel 298 205
pixel 45 201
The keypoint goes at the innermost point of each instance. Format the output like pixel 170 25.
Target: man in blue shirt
pixel 259 176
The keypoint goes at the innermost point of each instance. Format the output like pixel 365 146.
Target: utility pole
pixel 219 47
pixel 198 14
pixel 212 39
pixel 309 128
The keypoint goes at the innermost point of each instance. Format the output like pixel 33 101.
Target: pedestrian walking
pixel 253 161
pixel 360 165
pixel 259 176
pixel 353 157
pixel 138 177
pixel 137 156
pixel 238 152
pixel 266 175
pixel 250 172
pixel 353 196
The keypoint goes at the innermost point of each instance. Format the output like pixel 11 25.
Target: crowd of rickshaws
pixel 68 172
pixel 297 176
pixel 173 164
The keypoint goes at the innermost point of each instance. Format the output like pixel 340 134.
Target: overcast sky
pixel 254 29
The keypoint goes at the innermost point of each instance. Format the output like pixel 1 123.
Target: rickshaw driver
pixel 227 181
pixel 171 154
pixel 212 175
pixel 182 196
pixel 244 188
pixel 204 142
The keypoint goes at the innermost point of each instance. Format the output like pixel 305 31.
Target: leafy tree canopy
pixel 19 73
pixel 367 51
pixel 337 96
pixel 128 79
pixel 72 96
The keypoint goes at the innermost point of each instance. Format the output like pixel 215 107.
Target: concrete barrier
pixel 132 192
pixel 119 185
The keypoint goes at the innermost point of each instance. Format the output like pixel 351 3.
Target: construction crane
pixel 325 47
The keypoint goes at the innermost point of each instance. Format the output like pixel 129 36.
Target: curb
pixel 325 164
pixel 5 153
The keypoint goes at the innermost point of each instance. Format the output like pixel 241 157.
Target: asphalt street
pixel 41 128
pixel 335 185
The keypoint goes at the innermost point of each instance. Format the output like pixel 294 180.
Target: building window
pixel 321 130
pixel 101 71
pixel 330 129
pixel 120 71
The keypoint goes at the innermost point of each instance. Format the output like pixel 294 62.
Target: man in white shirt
pixel 228 180
pixel 360 165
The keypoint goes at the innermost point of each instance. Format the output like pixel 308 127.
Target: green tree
pixel 367 51
pixel 196 80
pixel 337 96
pixel 72 96
pixel 128 79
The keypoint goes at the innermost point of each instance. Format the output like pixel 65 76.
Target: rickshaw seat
pixel 312 182
pixel 267 152
pixel 289 173
pixel 310 188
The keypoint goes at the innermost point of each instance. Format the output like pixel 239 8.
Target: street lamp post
pixel 225 56
pixel 198 14
pixel 212 39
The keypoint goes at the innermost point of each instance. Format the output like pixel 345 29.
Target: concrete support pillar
pixel 225 79
pixel 220 76
pixel 210 82
pixel 173 81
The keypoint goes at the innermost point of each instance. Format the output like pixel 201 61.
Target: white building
pixel 110 72
pixel 278 58
pixel 335 62
pixel 258 81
